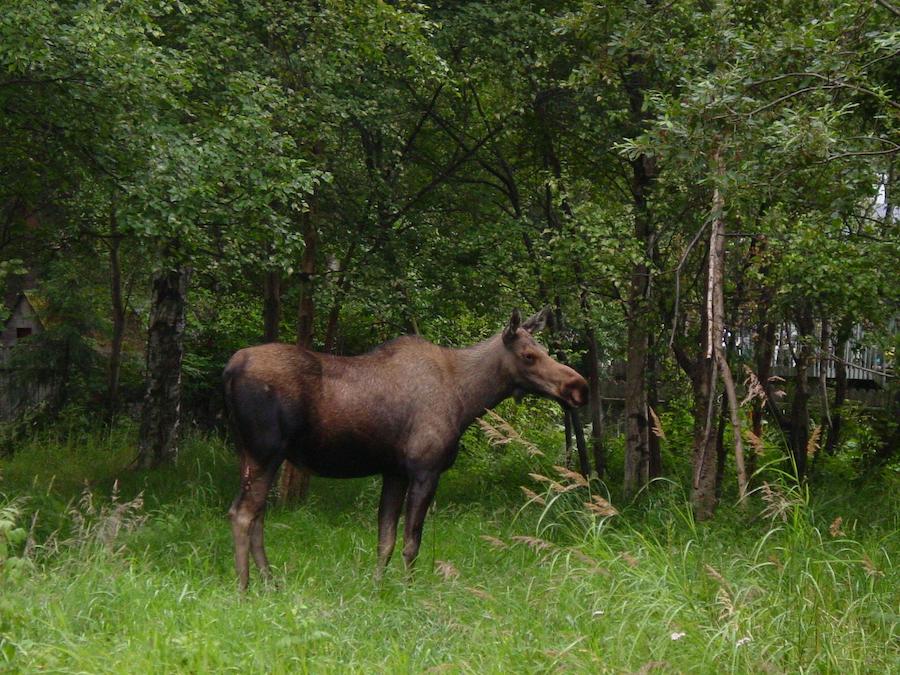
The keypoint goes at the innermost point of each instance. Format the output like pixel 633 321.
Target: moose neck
pixel 482 381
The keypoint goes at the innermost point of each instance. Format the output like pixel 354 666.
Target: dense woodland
pixel 681 182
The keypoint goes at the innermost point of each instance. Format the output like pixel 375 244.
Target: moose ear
pixel 536 323
pixel 509 333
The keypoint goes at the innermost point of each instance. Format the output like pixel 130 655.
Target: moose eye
pixel 528 357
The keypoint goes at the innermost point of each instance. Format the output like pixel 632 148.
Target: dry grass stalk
pixel 446 569
pixel 778 393
pixel 604 512
pixel 755 390
pixel 601 507
pixel 723 594
pixel 716 576
pixel 498 544
pixel 778 504
pixel 590 562
pixel 629 559
pixel 493 435
pixel 755 442
pixel 104 524
pixel 724 601
pixel 812 445
pixel 533 496
pixel 869 566
pixel 657 425
pixel 556 487
pixel 572 476
pixel 501 432
pixel 534 543
pixel 835 528
pixel 479 593
pixel 650 666
pixel 540 478
pixel 30 541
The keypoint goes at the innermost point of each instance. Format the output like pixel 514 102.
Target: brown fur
pixel 397 411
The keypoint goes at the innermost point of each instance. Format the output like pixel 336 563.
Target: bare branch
pixel 681 262
pixel 889 7
pixel 860 153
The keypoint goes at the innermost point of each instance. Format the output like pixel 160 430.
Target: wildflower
pixel 744 640
pixel 677 636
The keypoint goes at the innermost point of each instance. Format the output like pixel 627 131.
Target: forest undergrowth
pixel 106 570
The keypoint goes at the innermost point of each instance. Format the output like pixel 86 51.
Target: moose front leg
pixel 421 493
pixel 393 490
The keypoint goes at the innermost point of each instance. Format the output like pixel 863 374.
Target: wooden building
pixel 23 322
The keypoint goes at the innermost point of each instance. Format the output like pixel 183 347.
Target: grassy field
pixel 112 582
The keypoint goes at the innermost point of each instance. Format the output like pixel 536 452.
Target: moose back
pixel 398 411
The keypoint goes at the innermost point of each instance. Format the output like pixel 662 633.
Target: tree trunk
pixel 703 492
pixel 294 483
pixel 655 459
pixel 705 374
pixel 272 306
pixel 764 351
pixel 637 438
pixel 334 314
pixel 118 320
pixel 331 328
pixel 596 403
pixel 799 423
pixel 161 413
pixel 842 337
pixel 637 450
pixel 306 313
pixel 721 455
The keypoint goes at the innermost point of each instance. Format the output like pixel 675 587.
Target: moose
pixel 398 411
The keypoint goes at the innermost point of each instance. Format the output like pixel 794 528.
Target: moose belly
pixel 345 456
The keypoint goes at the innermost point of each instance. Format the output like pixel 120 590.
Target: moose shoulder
pixel 398 411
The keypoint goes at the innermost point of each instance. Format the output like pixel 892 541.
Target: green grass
pixel 578 593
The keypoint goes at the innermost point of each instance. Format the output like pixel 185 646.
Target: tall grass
pixel 778 589
pixel 136 575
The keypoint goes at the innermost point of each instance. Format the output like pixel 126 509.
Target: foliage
pixel 12 539
pixel 442 164
pixel 500 584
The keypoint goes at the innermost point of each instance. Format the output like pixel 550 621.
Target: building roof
pixel 34 302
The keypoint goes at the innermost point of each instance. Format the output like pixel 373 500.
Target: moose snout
pixel 575 391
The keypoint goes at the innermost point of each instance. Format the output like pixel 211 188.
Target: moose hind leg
pixel 247 517
pixel 257 549
pixel 240 532
pixel 421 493
pixel 393 490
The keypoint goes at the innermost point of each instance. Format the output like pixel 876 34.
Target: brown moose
pixel 398 411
